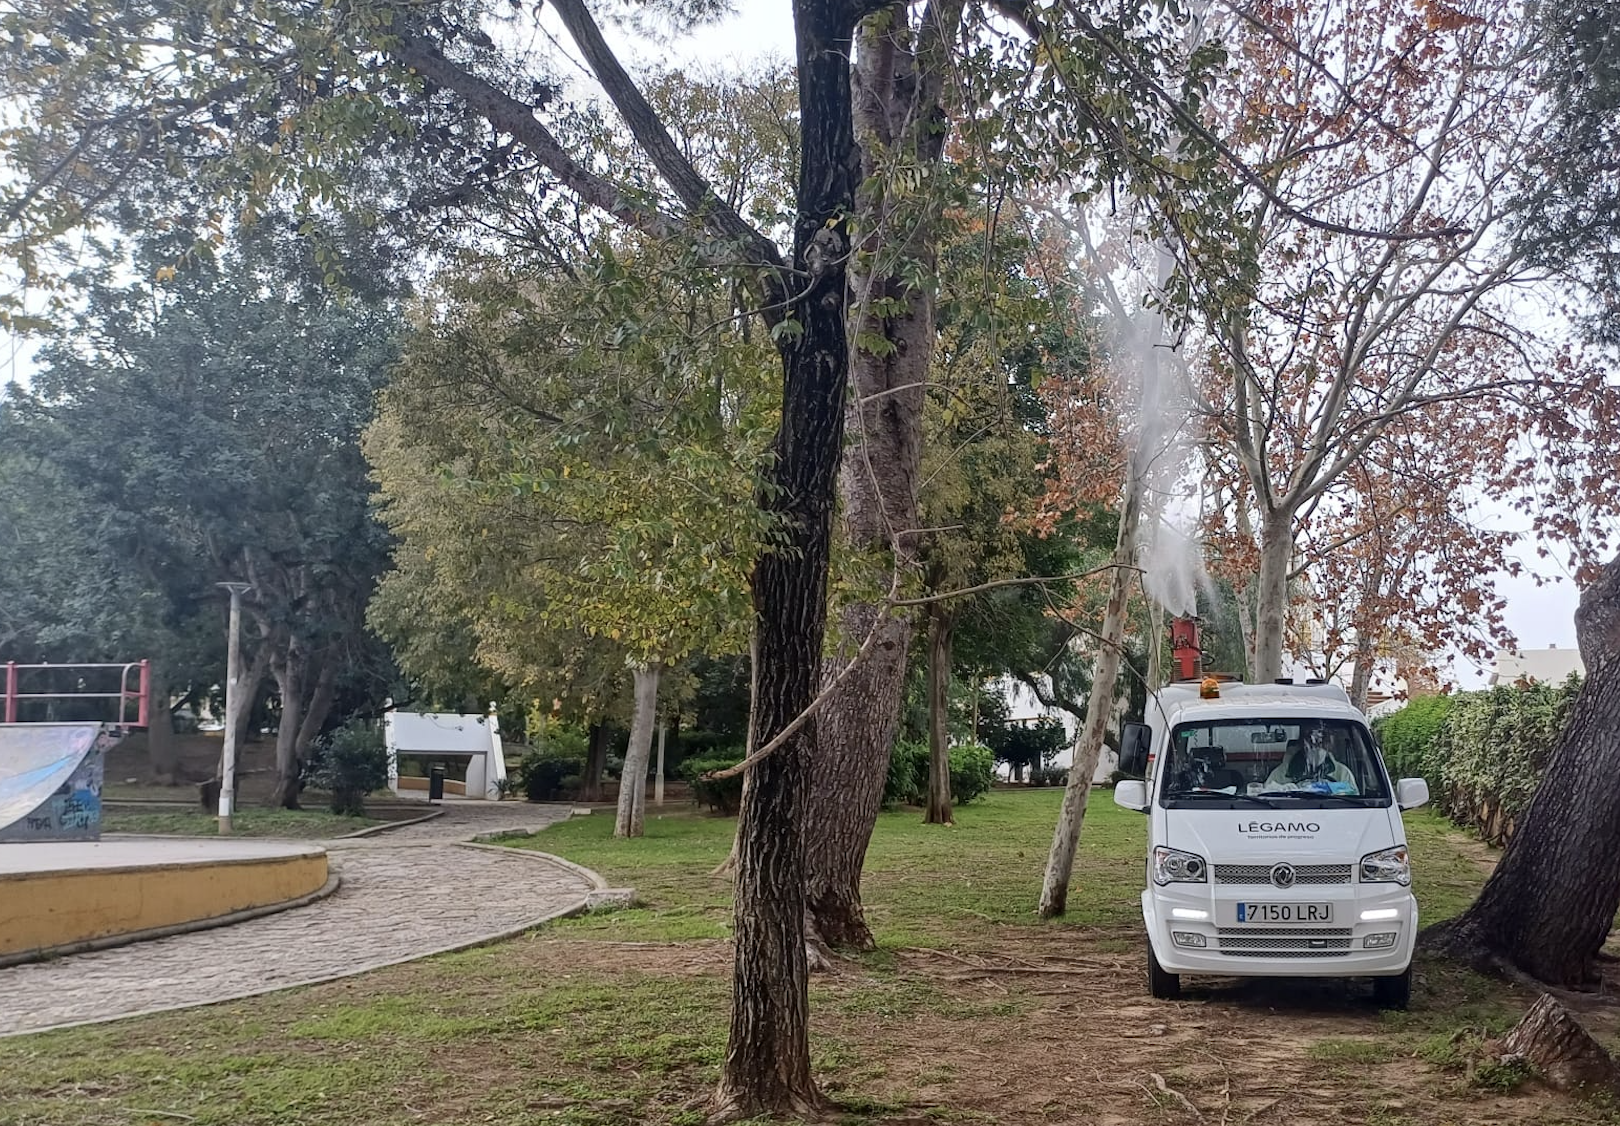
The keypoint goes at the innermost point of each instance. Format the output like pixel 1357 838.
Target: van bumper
pixel 1230 951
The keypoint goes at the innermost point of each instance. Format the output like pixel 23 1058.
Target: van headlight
pixel 1390 866
pixel 1172 866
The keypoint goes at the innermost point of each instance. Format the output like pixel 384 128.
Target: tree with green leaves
pixel 303 100
pixel 207 427
pixel 571 469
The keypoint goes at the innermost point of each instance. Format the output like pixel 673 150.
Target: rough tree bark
pixel 1561 1050
pixel 767 1065
pixel 1550 903
pixel 898 110
pixel 633 782
pixel 590 786
pixel 1066 838
pixel 941 623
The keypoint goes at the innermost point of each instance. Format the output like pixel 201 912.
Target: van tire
pixel 1393 992
pixel 1162 984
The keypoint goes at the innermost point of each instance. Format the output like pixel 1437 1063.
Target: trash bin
pixel 436 783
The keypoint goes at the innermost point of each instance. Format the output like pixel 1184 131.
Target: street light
pixel 233 661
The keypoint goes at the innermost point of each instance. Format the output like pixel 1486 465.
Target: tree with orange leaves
pixel 1320 354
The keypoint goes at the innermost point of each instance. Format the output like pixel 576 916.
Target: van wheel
pixel 1393 992
pixel 1162 984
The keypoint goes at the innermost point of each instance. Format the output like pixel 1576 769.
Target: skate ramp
pixel 50 781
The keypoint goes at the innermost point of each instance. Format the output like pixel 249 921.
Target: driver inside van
pixel 1308 764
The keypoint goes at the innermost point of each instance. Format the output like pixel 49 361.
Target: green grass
pixel 1446 873
pixel 301 823
pixel 567 1027
pixel 1358 1051
pixel 923 885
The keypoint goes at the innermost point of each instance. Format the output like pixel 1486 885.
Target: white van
pixel 1275 843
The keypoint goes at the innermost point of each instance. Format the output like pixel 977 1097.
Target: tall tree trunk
pixel 633 782
pixel 316 710
pixel 1366 650
pixel 898 94
pixel 590 785
pixel 1155 646
pixel 1088 749
pixel 1271 596
pixel 1550 903
pixel 940 626
pixel 161 752
pixel 247 692
pixel 767 1065
pixel 1361 674
pixel 289 673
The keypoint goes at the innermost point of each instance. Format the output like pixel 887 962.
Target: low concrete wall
pixel 41 910
pixel 451 786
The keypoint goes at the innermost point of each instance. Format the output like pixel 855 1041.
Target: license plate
pixel 1287 914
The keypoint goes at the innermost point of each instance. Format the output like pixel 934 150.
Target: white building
pixel 1536 666
pixel 1023 706
pixel 473 741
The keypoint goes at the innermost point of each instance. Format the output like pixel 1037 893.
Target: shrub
pixel 545 773
pixel 907 783
pixel 555 763
pixel 723 796
pixel 350 762
pixel 973 768
pixel 1408 735
pixel 1050 776
pixel 1486 760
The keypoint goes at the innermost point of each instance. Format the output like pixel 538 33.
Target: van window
pixel 1282 762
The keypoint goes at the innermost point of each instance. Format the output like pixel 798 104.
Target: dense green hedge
pixel 1407 735
pixel 1484 754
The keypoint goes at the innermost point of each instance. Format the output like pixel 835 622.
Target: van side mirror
pixel 1131 793
pixel 1411 793
pixel 1134 743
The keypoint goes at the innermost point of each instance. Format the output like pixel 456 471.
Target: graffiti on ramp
pixel 50 781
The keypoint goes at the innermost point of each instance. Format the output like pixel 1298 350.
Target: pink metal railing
pixel 137 697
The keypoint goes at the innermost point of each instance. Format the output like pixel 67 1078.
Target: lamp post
pixel 233 663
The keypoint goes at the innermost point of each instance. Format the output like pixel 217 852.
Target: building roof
pixel 443 732
pixel 1539 666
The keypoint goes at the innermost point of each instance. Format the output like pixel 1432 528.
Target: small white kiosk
pixel 474 739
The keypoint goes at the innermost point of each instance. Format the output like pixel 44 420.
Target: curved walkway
pixel 405 894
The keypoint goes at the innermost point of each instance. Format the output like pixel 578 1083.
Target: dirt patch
pixel 1042 1030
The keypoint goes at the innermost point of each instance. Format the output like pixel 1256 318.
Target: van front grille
pixel 1261 873
pixel 1293 942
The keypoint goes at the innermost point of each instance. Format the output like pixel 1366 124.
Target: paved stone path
pixel 405 893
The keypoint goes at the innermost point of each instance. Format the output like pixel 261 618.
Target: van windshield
pixel 1286 763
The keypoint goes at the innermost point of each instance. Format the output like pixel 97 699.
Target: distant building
pixel 1023 706
pixel 1551 665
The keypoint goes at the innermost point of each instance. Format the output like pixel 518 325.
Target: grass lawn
pixel 969 1012
pixel 301 823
